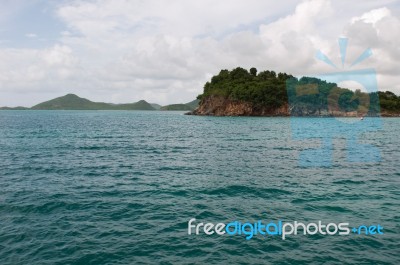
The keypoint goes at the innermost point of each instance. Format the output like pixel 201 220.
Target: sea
pixel 119 187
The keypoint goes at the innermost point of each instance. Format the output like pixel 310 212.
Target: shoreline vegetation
pixel 73 102
pixel 240 92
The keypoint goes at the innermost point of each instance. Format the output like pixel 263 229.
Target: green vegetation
pixel 264 89
pixel 70 102
pixel 15 108
pixel 176 107
pixel 188 106
pixel 305 96
pixel 309 95
pixel 140 105
pixel 193 104
pixel 389 102
pixel 156 106
pixel 73 102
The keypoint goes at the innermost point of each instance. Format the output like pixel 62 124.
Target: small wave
pixel 237 190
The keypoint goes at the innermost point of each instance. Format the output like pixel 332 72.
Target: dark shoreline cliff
pixel 220 106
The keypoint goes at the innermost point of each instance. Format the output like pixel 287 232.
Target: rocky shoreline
pixel 221 106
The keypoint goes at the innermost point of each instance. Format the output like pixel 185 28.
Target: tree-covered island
pixel 240 92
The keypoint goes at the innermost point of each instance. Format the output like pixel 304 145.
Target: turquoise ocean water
pixel 119 187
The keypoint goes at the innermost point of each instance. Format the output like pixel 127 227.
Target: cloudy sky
pixel 164 51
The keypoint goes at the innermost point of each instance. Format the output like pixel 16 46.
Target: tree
pixel 253 71
pixel 273 90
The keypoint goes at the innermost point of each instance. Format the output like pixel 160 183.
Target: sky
pixel 122 51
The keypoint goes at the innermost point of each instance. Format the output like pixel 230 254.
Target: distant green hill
pixel 140 105
pixel 193 104
pixel 156 106
pixel 15 108
pixel 185 107
pixel 176 107
pixel 73 102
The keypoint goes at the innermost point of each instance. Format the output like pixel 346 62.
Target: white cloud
pixel 123 51
pixel 26 70
pixel 31 35
pixel 178 17
pixel 372 16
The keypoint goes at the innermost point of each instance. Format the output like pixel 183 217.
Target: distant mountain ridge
pixel 15 108
pixel 74 102
pixel 192 105
pixel 156 106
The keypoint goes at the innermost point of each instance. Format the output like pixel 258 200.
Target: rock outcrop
pixel 220 106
